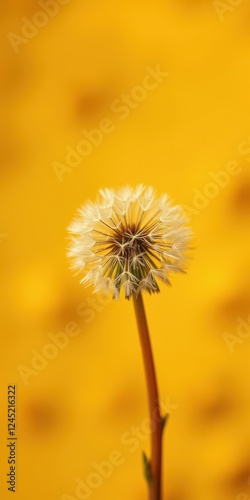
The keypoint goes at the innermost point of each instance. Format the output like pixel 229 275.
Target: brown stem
pixel 157 422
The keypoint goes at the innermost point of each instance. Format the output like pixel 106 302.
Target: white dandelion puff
pixel 129 240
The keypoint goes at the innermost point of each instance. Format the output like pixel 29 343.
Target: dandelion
pixel 127 242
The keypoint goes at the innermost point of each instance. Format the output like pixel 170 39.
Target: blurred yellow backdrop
pixel 66 66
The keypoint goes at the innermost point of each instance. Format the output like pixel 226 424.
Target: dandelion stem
pixel 157 421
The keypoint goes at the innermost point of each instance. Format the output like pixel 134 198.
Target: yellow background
pixel 76 409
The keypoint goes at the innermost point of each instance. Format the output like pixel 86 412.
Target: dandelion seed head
pixel 128 240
